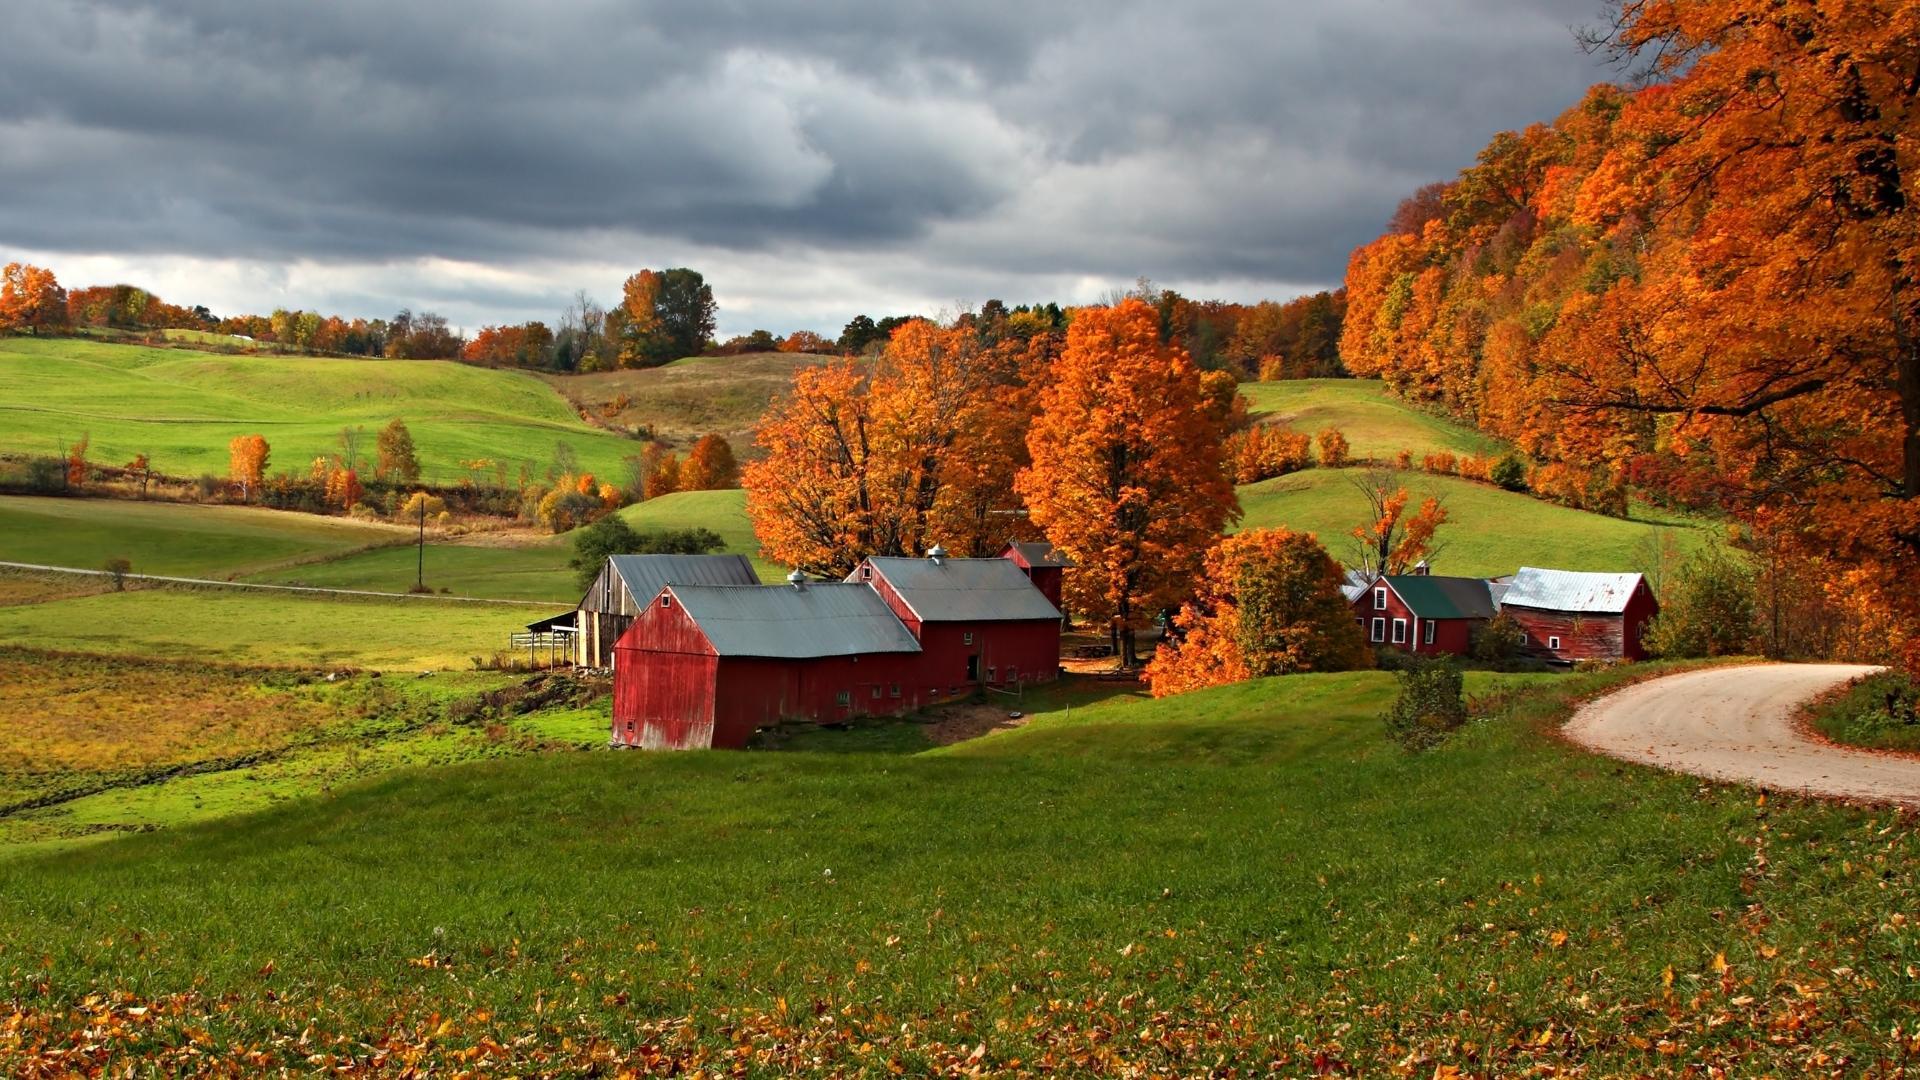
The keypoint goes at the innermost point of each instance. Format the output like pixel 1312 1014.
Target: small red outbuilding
pixel 1571 615
pixel 707 665
pixel 1419 613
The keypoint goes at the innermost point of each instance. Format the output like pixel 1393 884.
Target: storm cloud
pixel 815 160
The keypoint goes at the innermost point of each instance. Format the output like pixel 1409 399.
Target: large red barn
pixel 1419 613
pixel 979 622
pixel 707 665
pixel 1571 615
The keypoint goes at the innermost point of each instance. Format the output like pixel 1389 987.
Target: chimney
pixel 936 553
pixel 1422 569
pixel 797 579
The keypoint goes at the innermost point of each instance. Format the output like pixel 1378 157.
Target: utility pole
pixel 420 566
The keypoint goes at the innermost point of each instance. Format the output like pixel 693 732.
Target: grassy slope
pixel 1489 531
pixel 267 628
pixel 1247 878
pixel 693 396
pixel 725 512
pixel 1872 713
pixel 182 407
pixel 1377 424
pixel 168 538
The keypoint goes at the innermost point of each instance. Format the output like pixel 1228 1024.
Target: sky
pixel 816 160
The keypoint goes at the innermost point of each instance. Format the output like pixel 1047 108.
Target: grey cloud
pixel 1199 141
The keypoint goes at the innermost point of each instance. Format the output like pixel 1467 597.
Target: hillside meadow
pixel 183 407
pixel 690 397
pixel 1250 879
pixel 1376 424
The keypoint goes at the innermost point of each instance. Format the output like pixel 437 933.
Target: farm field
pixel 692 396
pixel 183 407
pixel 172 538
pixel 1377 424
pixel 267 628
pixel 1489 532
pixel 491 570
pixel 878 912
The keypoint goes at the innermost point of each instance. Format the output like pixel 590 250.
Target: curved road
pixel 1737 723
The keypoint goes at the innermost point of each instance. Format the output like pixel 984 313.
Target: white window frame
pixel 1553 643
pixel 1427 633
pixel 666 599
pixel 1399 631
pixel 843 698
pixel 1379 635
pixel 1380 598
pixel 966 639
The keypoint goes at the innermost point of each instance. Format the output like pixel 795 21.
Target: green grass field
pixel 493 571
pixel 692 396
pixel 267 628
pixel 1377 424
pixel 170 538
pixel 183 407
pixel 1250 880
pixel 1489 531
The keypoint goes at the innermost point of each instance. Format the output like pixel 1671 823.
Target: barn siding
pixel 663 683
pixel 1583 636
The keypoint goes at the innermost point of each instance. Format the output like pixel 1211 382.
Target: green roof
pixel 1443 597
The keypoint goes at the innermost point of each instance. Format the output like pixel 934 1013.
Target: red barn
pixel 707 665
pixel 978 621
pixel 1419 613
pixel 1043 564
pixel 1571 615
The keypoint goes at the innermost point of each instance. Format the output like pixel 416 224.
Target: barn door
pixel 973 668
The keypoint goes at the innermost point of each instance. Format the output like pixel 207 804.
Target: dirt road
pixel 1737 724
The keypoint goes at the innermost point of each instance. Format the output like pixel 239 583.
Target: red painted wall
pixel 1590 636
pixel 1452 636
pixel 1026 652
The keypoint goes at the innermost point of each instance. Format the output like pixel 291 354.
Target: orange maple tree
pixel 1127 476
pixel 31 300
pixel 710 465
pixel 1268 603
pixel 1390 541
pixel 247 462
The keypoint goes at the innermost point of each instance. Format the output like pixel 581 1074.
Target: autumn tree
pixel 247 462
pixel 141 467
pixel 1127 477
pixel 1268 603
pixel 31 300
pixel 664 315
pixel 1335 452
pixel 396 459
pixel 1390 541
pixel 709 465
pixel 663 478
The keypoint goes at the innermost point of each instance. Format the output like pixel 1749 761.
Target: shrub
pixel 1498 640
pixel 1440 463
pixel 1432 704
pixel 1334 449
pixel 118 568
pixel 207 486
pixel 1510 473
pixel 613 536
pixel 1708 609
pixel 46 474
pixel 1403 459
pixel 1263 451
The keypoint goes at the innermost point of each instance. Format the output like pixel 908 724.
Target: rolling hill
pixel 1376 424
pixel 690 397
pixel 182 408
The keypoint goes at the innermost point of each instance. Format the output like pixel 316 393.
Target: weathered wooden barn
pixel 978 621
pixel 1420 613
pixel 1571 615
pixel 628 582
pixel 1043 564
pixel 707 665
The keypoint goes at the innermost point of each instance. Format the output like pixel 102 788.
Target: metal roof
pixel 1039 553
pixel 1356 585
pixel 1570 590
pixel 788 623
pixel 964 590
pixel 1443 597
pixel 646 575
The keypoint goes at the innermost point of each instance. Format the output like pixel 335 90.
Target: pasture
pixel 1489 531
pixel 183 407
pixel 172 538
pixel 1249 879
pixel 1377 424
pixel 692 396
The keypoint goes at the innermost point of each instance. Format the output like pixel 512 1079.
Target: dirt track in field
pixel 1739 724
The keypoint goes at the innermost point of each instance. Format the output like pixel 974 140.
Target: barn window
pixel 844 697
pixel 894 690
pixel 1428 639
pixel 966 639
pixel 1399 631
pixel 876 691
pixel 666 599
pixel 993 674
pixel 866 573
pixel 1013 674
pixel 1380 599
pixel 1553 643
pixel 1379 629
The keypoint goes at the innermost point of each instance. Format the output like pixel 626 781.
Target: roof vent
pixel 936 553
pixel 796 579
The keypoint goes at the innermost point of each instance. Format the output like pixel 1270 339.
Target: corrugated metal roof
pixel 1356 585
pixel 1570 590
pixel 646 575
pixel 1040 553
pixel 964 590
pixel 787 623
pixel 1498 589
pixel 1444 597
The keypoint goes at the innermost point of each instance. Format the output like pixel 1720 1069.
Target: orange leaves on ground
pixel 1127 476
pixel 1269 603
